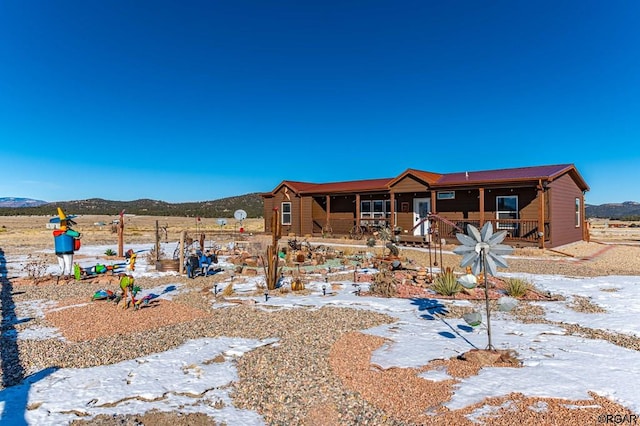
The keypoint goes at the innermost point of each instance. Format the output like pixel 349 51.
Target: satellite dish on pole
pixel 240 215
pixel 222 222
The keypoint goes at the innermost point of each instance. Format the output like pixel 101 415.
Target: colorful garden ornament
pixel 127 289
pixel 66 242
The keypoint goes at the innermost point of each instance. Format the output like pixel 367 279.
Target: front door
pixel 421 210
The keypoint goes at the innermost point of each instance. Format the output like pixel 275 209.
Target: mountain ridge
pixel 252 203
pixel 224 207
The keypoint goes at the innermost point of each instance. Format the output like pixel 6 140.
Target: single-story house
pixel 538 206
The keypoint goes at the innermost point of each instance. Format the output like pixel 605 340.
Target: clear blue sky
pixel 200 100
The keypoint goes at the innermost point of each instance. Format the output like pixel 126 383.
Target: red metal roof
pixel 333 187
pixel 534 173
pixel 510 175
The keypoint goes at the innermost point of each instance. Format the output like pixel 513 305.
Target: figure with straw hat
pixel 66 242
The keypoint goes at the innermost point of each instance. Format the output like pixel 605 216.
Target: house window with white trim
pixel 375 209
pixel 446 195
pixel 286 213
pixel 577 212
pixel 507 211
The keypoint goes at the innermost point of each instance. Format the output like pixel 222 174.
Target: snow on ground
pixel 555 364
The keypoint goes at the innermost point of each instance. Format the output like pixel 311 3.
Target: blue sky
pixel 200 100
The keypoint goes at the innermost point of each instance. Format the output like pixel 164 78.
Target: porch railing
pixel 517 229
pixel 346 226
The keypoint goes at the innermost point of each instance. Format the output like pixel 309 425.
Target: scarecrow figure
pixel 66 242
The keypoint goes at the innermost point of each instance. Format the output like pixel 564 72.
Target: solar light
pixel 324 289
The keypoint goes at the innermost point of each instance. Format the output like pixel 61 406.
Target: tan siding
pixel 562 194
pixel 409 184
pixel 405 221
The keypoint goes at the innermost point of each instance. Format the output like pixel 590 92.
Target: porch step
pixel 414 240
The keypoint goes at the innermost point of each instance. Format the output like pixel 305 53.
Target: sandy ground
pixel 610 251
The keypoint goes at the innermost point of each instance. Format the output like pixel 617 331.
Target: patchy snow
pixel 555 364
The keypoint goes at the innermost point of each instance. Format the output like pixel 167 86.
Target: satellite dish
pixel 222 222
pixel 240 214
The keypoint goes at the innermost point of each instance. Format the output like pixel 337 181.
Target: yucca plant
pixel 446 283
pixel 517 287
pixel 109 252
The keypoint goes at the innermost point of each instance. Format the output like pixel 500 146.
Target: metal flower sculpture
pixel 483 251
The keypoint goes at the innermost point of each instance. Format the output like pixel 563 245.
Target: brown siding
pixel 267 213
pixel 277 200
pixel 318 214
pixel 465 205
pixel 306 215
pixel 562 195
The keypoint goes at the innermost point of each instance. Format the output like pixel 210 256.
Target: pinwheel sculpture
pixel 483 251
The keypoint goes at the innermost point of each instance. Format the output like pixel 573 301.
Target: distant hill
pixel 629 210
pixel 20 202
pixel 224 207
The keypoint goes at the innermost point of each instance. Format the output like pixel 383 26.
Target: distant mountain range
pixel 224 207
pixel 20 202
pixel 629 210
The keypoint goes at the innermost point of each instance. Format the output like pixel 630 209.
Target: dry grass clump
pixel 228 290
pixel 517 287
pixel 383 285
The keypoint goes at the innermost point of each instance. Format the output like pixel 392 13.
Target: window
pixel 286 213
pixel 375 209
pixel 507 209
pixel 365 209
pixel 577 212
pixel 378 209
pixel 446 195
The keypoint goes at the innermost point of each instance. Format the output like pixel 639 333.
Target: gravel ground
pixel 319 373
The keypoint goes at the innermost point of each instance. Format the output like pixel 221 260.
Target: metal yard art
pixel 483 251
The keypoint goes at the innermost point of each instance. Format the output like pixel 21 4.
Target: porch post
pixel 434 208
pixel 357 209
pixel 541 235
pixel 392 223
pixel 328 198
pixel 481 197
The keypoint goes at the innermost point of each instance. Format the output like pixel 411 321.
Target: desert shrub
pixel 151 255
pixel 517 287
pixel 228 290
pixel 371 242
pixel 109 252
pixel 446 283
pixel 383 284
pixel 35 267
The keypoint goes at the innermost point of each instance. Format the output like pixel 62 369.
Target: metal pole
pixel 486 296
